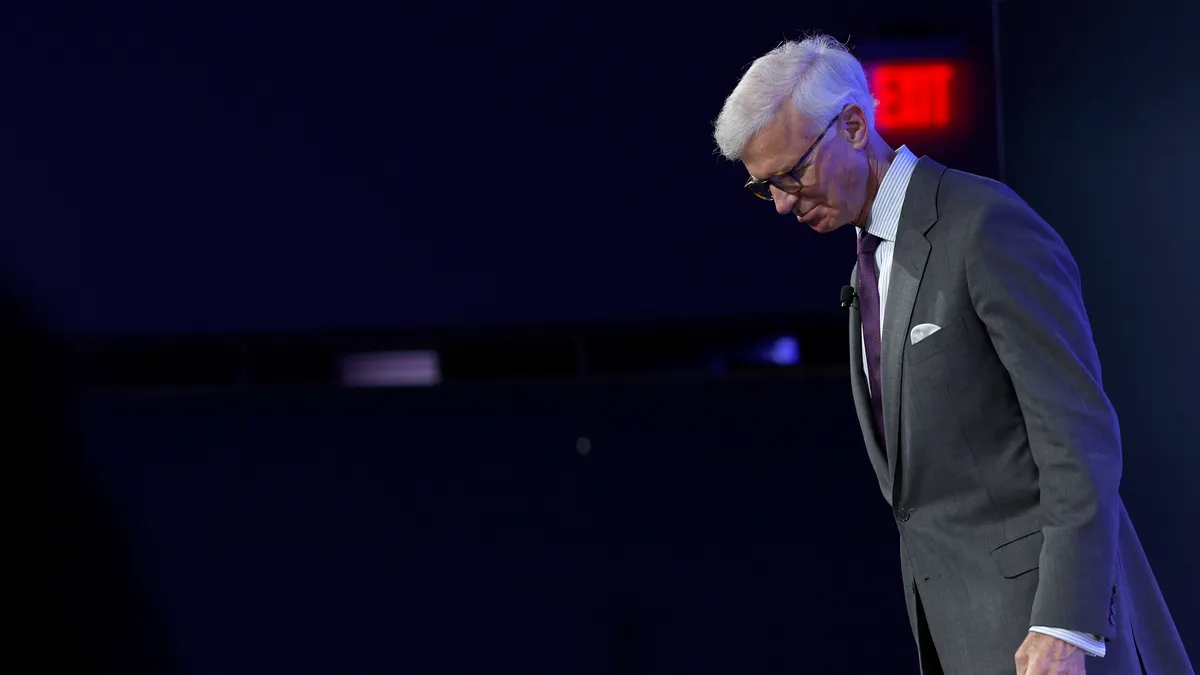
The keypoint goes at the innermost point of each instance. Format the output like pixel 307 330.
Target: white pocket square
pixel 922 331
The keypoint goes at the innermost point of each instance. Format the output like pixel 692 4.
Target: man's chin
pixel 824 225
pixel 821 219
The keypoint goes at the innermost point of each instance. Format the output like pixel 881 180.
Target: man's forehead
pixel 777 147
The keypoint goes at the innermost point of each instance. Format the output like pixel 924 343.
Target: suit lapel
pixel 862 395
pixel 908 266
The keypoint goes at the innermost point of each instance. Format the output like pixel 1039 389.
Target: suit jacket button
pixel 903 515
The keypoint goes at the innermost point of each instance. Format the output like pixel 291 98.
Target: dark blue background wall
pixel 282 169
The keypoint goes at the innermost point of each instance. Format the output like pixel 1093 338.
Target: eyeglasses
pixel 787 181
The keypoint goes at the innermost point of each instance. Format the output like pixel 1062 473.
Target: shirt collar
pixel 883 220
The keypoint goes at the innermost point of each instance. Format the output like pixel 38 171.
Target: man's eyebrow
pixel 796 164
pixel 782 170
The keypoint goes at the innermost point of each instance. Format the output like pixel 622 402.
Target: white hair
pixel 818 74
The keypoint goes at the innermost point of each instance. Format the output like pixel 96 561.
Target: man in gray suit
pixel 976 382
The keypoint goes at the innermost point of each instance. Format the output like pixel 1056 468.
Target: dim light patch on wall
pixel 391 369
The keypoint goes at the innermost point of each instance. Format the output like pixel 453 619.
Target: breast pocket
pixel 934 344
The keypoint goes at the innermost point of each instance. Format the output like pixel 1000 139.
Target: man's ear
pixel 853 125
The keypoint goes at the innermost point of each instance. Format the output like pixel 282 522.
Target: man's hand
pixel 1045 655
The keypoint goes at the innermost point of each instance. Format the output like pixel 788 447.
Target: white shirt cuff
pixel 1090 644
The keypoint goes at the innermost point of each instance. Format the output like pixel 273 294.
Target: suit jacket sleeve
pixel 1025 287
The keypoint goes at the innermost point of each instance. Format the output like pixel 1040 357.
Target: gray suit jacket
pixel 1002 456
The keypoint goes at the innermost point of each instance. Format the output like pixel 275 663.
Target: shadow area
pixel 77 601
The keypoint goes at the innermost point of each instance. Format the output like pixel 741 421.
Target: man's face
pixel 829 188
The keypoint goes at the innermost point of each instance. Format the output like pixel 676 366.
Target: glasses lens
pixel 760 190
pixel 786 183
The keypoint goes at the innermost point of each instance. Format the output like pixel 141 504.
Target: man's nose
pixel 784 202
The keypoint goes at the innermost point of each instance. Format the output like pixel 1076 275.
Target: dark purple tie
pixel 868 304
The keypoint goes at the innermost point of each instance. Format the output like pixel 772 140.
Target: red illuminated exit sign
pixel 914 95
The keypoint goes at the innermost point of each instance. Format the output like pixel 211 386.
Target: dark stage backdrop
pixel 709 527
pixel 1101 117
pixel 279 169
